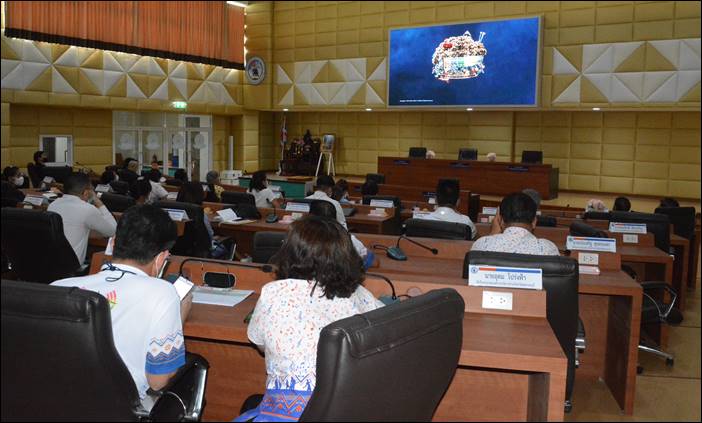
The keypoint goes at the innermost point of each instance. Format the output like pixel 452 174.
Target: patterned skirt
pixel 278 405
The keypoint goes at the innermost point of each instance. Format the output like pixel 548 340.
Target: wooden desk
pixel 486 178
pixel 503 356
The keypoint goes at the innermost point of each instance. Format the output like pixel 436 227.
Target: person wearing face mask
pixel 265 197
pixel 323 191
pixel 12 181
pixel 147 313
pixel 36 169
pixel 82 211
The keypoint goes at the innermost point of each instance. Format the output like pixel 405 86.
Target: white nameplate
pixel 377 212
pixel 102 188
pixel 588 259
pixel 35 201
pixel 432 200
pixel 48 180
pixel 172 196
pixel 504 277
pixel 50 195
pixel 420 214
pixel 298 207
pixel 176 215
pixel 608 245
pixel 588 270
pixel 630 238
pixel 627 228
pixel 490 210
pixel 386 204
pixel 228 215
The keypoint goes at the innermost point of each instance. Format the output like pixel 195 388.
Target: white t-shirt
pixel 264 198
pixel 146 323
pixel 79 218
pixel 321 195
pixel 447 214
pixel 157 193
pixel 287 322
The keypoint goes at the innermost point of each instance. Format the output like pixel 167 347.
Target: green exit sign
pixel 179 105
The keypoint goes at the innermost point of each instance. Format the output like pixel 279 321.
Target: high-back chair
pixel 195 241
pixel 231 197
pixel 36 246
pixel 393 363
pixel 72 370
pixel 437 229
pixel 266 245
pixel 116 202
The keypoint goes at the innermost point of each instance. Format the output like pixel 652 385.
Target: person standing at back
pixel 36 169
pixel 323 191
pixel 513 227
pixel 147 313
pixel 82 212
pixel 265 197
pixel 447 199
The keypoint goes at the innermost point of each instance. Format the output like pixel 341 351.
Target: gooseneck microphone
pixel 266 268
pixel 396 252
pixel 384 298
pixel 433 250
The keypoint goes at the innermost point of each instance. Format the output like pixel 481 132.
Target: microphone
pixel 384 298
pixel 396 252
pixel 266 268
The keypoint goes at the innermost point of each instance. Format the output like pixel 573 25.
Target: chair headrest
pixel 47 301
pixel 551 266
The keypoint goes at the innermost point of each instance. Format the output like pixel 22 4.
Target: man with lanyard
pixel 147 313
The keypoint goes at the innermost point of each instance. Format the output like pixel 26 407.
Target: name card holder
pixel 627 228
pixel 385 204
pixel 297 207
pixel 176 215
pixel 591 244
pixel 33 200
pixel 228 215
pixel 504 277
pixel 102 188
pixel 492 211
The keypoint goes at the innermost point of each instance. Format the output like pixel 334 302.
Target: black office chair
pixel 36 246
pixel 244 210
pixel 9 202
pixel 72 370
pixel 378 178
pixel 560 281
pixel 583 229
pixel 658 224
pixel 595 215
pixel 195 241
pixel 655 310
pixel 59 173
pixel 116 202
pixel 120 187
pixel 437 229
pixel 231 197
pixel 390 364
pixel 683 220
pixel 533 157
pixel 266 245
pixel 546 221
pixel 468 154
pixel 418 152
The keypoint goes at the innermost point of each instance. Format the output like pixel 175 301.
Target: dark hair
pixel 154 175
pixel 126 162
pixel 108 176
pixel 534 195
pixel 76 183
pixel 320 249
pixel 191 192
pixel 143 232
pixel 140 187
pixel 669 202
pixel 518 208
pixel 337 193
pixel 341 183
pixel 621 204
pixel 369 188
pixel 37 155
pixel 258 181
pixel 325 181
pixel 323 208
pixel 181 175
pixel 9 172
pixel 447 191
pixel 212 177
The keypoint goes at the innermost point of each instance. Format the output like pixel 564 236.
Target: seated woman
pixel 214 187
pixel 265 197
pixel 319 282
pixel 12 181
pixel 192 192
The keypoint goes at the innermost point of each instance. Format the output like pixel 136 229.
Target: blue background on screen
pixel 510 65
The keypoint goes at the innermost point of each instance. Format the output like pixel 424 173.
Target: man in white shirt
pixel 512 229
pixel 158 192
pixel 82 211
pixel 147 313
pixel 447 198
pixel 323 191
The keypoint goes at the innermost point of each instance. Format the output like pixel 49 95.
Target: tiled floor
pixel 662 393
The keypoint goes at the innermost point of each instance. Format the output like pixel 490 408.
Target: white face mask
pixel 116 177
pixel 19 181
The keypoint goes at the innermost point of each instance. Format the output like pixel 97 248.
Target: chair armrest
pixel 184 396
pixel 648 287
pixel 580 337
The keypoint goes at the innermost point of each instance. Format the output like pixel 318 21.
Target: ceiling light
pixel 369 110
pixel 595 109
pixel 238 3
pixel 285 110
pixel 469 109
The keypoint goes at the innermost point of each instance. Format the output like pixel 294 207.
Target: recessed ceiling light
pixel 596 109
pixel 238 3
pixel 285 110
pixel 469 109
pixel 369 110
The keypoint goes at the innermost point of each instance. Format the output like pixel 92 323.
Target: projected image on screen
pixel 473 64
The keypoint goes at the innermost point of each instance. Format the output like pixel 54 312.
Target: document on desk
pixel 218 296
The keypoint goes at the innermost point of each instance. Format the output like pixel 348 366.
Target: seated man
pixel 447 193
pixel 158 192
pixel 82 212
pixel 622 204
pixel 323 191
pixel 512 229
pixel 147 313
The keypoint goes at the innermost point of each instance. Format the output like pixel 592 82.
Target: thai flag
pixel 283 133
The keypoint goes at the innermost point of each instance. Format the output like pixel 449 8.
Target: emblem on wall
pixel 255 70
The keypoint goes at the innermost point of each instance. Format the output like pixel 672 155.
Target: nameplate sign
pixel 102 188
pixel 518 168
pixel 172 196
pixel 429 194
pixel 35 201
pixel 48 180
pixel 607 245
pixel 227 215
pixel 504 277
pixel 297 207
pixel 630 238
pixel 420 214
pixel 401 162
pixel 386 204
pixel 176 215
pixel 492 211
pixel 627 228
pixel 459 165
